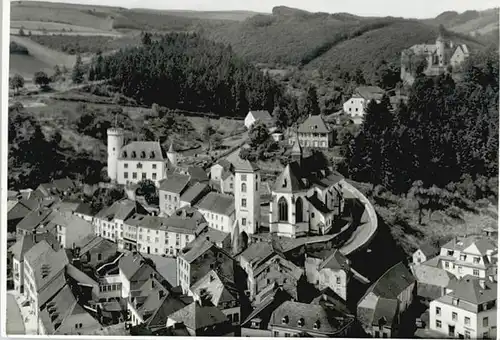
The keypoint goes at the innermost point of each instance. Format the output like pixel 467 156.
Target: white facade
pixel 451 320
pixel 336 280
pixel 116 139
pixel 219 221
pixel 134 171
pixel 355 107
pixel 247 200
pixel 183 274
pixel 162 242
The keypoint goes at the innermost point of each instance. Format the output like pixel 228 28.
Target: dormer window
pixel 316 324
pixel 134 155
pixel 124 154
pixel 284 320
pixel 143 154
pixel 284 183
pixel 300 323
pixel 152 154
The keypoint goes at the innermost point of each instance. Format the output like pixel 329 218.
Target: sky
pixel 397 8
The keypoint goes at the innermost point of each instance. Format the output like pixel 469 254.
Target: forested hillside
pixel 188 72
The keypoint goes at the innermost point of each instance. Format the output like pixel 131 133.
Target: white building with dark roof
pixel 313 133
pixel 218 210
pixel 170 192
pixel 137 160
pixel 362 96
pixel 258 115
pixel 469 311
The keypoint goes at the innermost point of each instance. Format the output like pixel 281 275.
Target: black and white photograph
pixel 230 168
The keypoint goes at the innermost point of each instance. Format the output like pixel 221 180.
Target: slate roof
pixel 35 218
pixel 194 193
pixel 328 298
pixel 118 210
pixel 369 92
pixel 310 314
pixel 482 243
pixel 221 289
pixel 20 209
pixel 212 234
pixel 314 124
pixel 169 305
pixel 131 263
pixel 185 220
pixel 69 221
pixel 432 275
pixel 45 262
pixel 196 317
pixel 261 115
pixel 56 186
pixel 290 179
pixel 26 242
pixel 196 248
pixel 243 165
pixel 429 249
pixel 147 221
pixel 84 208
pixel 317 203
pixel 144 151
pixel 95 243
pixel 470 290
pixel 337 261
pixel 175 183
pixel 217 203
pixel 257 252
pixel 385 309
pixel 393 282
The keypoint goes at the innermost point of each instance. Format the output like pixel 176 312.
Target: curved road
pixel 14 322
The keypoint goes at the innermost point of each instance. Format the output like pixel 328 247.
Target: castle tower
pixel 441 49
pixel 172 155
pixel 116 139
pixel 247 196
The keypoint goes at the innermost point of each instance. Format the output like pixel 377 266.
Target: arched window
pixel 299 210
pixel 283 209
pixel 243 187
pixel 124 154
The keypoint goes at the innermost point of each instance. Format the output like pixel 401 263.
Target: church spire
pixel 297 151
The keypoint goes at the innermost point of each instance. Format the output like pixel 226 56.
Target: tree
pixel 41 79
pixel 208 133
pixel 21 31
pixel 146 38
pixel 57 73
pixel 359 78
pixel 147 188
pixel 17 82
pixel 311 105
pixel 419 193
pixel 258 134
pixel 281 117
pixel 78 72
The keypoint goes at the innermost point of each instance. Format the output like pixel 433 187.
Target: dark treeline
pixel 446 134
pixel 188 72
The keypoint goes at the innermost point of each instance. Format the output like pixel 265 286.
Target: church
pixel 137 160
pixel 307 198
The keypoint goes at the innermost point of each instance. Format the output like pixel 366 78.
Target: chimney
pixel 208 238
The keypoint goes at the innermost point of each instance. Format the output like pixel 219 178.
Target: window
pixel 243 221
pixel 139 166
pixel 438 323
pixel 243 187
pixel 377 333
pixel 134 175
pixel 143 175
pixel 446 264
pixel 154 166
pixel 450 252
pixel 485 322
pixel 282 209
pixel 467 321
pixel 125 165
pixel 438 310
pixel 287 335
pixel 475 272
pixel 154 175
pixel 243 177
pixel 125 175
pixel 231 186
pixel 244 202
pixel 467 334
pixel 175 198
pixel 338 279
pixel 276 334
pixel 486 335
pixel 236 317
pixel 454 316
pixel 477 260
pixel 459 269
pixel 463 257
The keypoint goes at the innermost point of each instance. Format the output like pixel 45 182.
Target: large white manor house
pixel 137 160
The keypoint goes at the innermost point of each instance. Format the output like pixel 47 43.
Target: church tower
pixel 297 152
pixel 116 139
pixel 172 155
pixel 247 196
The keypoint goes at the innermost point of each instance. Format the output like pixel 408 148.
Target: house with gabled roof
pixel 170 304
pixel 425 252
pixel 202 320
pixel 258 115
pixel 328 269
pixel 218 210
pixel 222 176
pixel 356 106
pixel 221 291
pixel 432 281
pixel 44 269
pixel 194 194
pixel 379 310
pixel 64 315
pixel 469 311
pixel 314 132
pixel 170 192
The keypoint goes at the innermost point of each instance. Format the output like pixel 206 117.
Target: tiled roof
pixel 175 183
pixel 261 114
pixel 217 203
pixel 214 235
pixel 336 261
pixel 257 252
pixel 142 151
pixel 290 179
pixel 194 193
pixel 95 244
pixel 196 249
pixel 369 92
pixel 429 249
pixel 314 124
pixel 393 282
pixel 328 298
pixel 84 208
pixel 35 218
pixel 26 242
pixel 196 317
pixel 19 210
pixel 310 315
pixel 130 264
pixel 45 262
pixel 385 309
pixel 118 210
pixel 169 305
pixel 432 276
pixel 220 289
pixel 470 290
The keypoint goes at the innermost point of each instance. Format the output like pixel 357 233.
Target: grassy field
pixel 55 27
pixel 206 15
